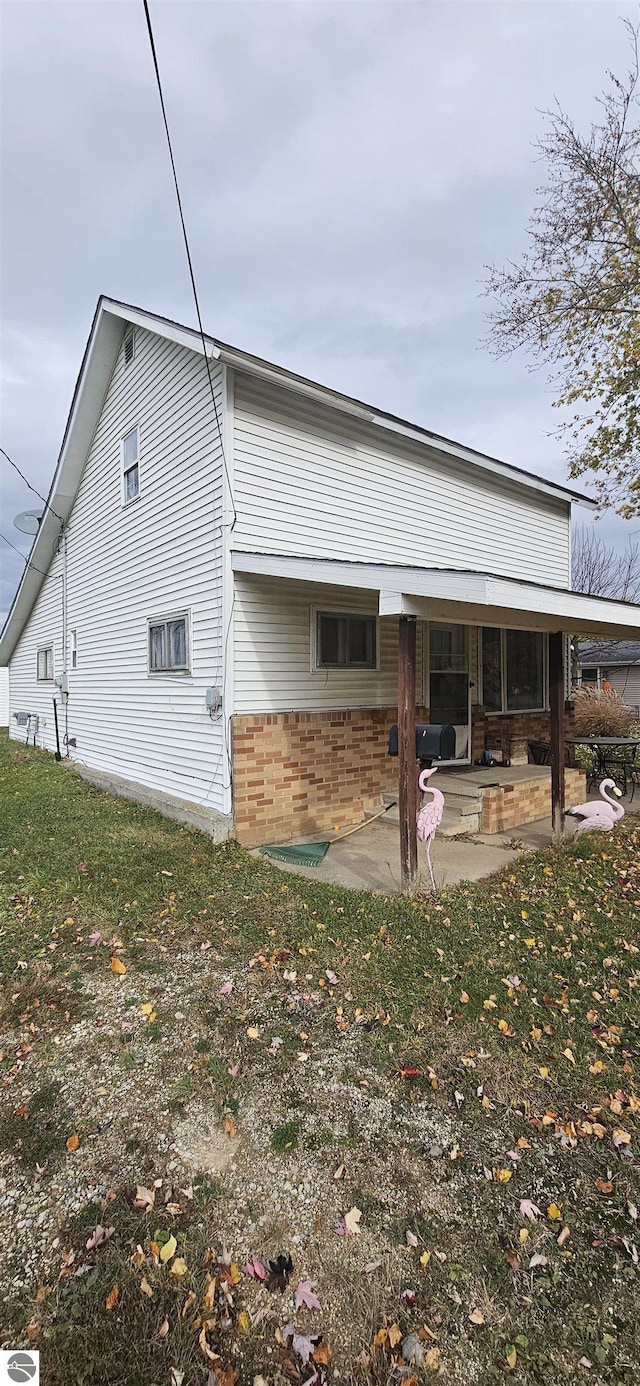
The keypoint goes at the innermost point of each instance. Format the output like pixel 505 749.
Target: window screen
pixel 168 645
pixel 45 664
pixel 345 642
pixel 130 466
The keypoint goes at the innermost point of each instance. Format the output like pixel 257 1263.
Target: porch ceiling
pixel 448 594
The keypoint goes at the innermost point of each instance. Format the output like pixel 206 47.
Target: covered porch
pixel 411 599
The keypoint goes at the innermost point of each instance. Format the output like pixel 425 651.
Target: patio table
pixel 602 746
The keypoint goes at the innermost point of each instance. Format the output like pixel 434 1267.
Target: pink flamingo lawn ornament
pixel 430 816
pixel 596 814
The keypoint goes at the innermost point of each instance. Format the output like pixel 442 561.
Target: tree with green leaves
pixel 574 299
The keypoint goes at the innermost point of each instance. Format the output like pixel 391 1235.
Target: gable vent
pixel 129 347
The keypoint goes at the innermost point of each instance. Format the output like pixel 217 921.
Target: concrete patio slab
pixel 370 859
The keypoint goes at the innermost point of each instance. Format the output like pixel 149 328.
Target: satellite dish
pixel 28 521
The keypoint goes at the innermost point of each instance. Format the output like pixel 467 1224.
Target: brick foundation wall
pixel 490 730
pixel 302 772
pixel 296 773
pixel 511 805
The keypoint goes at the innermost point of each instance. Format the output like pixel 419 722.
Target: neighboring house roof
pixel 95 373
pixel 613 653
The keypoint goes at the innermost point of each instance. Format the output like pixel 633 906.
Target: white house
pixel 216 598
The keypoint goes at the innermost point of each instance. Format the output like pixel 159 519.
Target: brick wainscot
pixel 296 773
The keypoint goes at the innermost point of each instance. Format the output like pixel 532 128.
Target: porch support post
pixel 556 704
pixel 407 766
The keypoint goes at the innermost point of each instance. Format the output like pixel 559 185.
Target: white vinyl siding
pixel 273 671
pixel 125 565
pixel 4 697
pixel 310 481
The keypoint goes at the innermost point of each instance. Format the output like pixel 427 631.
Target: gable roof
pixel 615 653
pixel 105 337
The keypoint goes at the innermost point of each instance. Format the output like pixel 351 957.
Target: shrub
pixel 600 713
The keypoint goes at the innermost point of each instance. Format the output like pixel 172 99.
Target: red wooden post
pixel 556 705
pixel 407 765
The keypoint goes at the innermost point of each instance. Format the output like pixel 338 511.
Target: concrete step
pixel 461 815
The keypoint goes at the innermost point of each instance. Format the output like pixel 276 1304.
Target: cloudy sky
pixel 347 170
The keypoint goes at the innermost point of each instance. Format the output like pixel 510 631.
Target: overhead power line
pixel 31 488
pixel 188 252
pixel 27 561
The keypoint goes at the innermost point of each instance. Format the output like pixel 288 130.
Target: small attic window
pixel 129 346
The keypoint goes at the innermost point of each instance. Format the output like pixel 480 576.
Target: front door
pixel 448 683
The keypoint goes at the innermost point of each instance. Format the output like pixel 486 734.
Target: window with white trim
pixel 130 453
pixel 45 664
pixel 169 645
pixel 514 670
pixel 345 641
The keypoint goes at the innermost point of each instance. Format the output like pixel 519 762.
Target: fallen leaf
pixel 530 1210
pixel 94 938
pixel 279 1272
pixel 226 989
pixel 253 1032
pixel 305 1297
pixel 425 1258
pixel 177 1376
pixel 568 1054
pixel 503 1175
pixel 394 1335
pixel 179 1267
pixel 255 1269
pixel 145 1288
pixel 113 1297
pixel 322 1355
pixel 351 1220
pixel 512 1357
pixel 147 1008
pixel 168 1250
pixel 145 1198
pixel 99 1236
pixel 243 1323
pixel 301 1344
pixel 117 966
pixel 538 1260
pixel 523 1235
pixel 163 1329
pixel 409 1298
pixel 340 1172
pixel 410 1238
pixel 73 1142
pixel 230 1127
pixel 564 1236
pixel 554 1212
pixel 464 997
pixel 204 1346
pixel 476 1316
pixel 432 1359
pixel 604 1186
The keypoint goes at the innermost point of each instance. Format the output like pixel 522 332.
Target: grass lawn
pixel 209 1067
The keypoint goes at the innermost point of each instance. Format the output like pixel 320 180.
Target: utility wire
pixel 189 260
pixel 27 561
pixel 31 488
